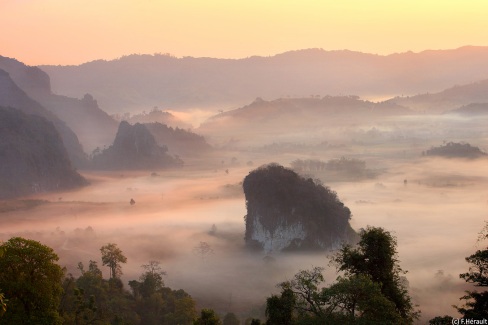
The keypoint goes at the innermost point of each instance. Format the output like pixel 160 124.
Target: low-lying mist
pixel 434 206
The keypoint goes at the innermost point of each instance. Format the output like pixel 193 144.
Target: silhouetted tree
pixel 208 317
pixel 376 257
pixel 112 257
pixel 476 302
pixel 231 319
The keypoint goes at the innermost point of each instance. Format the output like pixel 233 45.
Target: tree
pixel 476 303
pixel 207 317
pixel 112 257
pixel 353 299
pixel 376 257
pixel 31 279
pixel 231 319
pixel 279 310
pixel 203 250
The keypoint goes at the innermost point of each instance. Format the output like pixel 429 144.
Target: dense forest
pixel 371 288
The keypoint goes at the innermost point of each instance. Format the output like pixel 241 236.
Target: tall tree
pixel 208 317
pixel 476 302
pixel 112 257
pixel 376 257
pixel 31 279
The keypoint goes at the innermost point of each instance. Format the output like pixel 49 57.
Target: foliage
pixel 370 292
pixel 231 319
pixel 208 317
pixel 476 303
pixel 112 257
pixel 277 195
pixel 31 279
pixel 376 257
pixel 279 309
pixel 441 320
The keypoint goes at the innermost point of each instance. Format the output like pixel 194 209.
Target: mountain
pixel 12 96
pixel 138 82
pixel 93 126
pixel 134 147
pixel 288 212
pixel 178 141
pixel 471 110
pixel 155 115
pixel 446 100
pixel 285 115
pixel 32 156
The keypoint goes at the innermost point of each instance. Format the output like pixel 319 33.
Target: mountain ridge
pixel 138 82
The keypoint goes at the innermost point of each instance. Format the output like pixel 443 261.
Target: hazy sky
pixel 75 31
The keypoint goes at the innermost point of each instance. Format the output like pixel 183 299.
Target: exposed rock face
pixel 288 212
pixel 32 156
pixel 134 147
pixel 12 96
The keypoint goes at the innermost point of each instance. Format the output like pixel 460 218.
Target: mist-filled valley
pixel 160 183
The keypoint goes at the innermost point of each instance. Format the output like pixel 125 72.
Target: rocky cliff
pixel 32 156
pixel 134 147
pixel 287 212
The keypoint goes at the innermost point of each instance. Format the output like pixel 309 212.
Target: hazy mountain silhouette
pixel 12 96
pixel 154 116
pixel 178 141
pixel 138 82
pixel 292 114
pixel 134 147
pixel 449 99
pixel 471 110
pixel 32 156
pixel 93 126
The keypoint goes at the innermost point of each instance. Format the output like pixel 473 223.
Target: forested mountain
pixel 12 96
pixel 134 147
pixel 288 212
pixel 137 82
pixel 93 126
pixel 32 156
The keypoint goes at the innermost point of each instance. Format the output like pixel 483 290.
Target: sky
pixel 76 31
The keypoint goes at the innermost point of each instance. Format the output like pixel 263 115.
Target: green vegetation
pixel 371 291
pixel 31 281
pixel 476 302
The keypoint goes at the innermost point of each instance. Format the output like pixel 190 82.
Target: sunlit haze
pixel 72 32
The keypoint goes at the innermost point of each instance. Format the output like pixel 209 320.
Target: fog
pixel 434 206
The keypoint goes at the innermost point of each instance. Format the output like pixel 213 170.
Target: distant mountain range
pixel 446 100
pixel 140 82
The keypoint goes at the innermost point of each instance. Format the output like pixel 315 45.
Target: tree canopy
pixel 31 280
pixel 112 256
